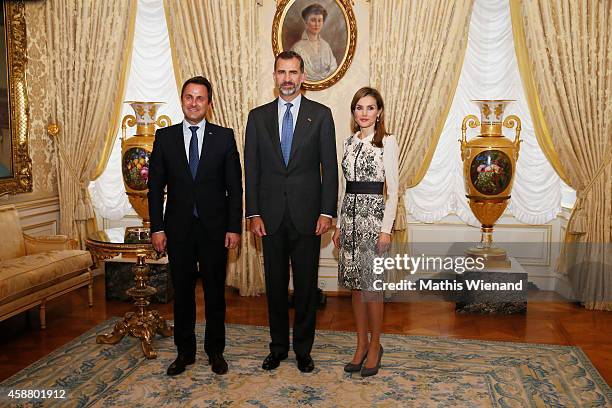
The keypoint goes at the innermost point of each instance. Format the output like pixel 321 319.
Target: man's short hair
pixel 200 80
pixel 287 55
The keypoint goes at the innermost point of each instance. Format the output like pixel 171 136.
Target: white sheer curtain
pixel 151 79
pixel 490 71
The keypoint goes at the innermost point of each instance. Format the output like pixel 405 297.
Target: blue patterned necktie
pixel 287 133
pixel 194 158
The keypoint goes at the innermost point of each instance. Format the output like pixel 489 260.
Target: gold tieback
pixel 577 224
pixel 400 215
pixel 53 130
pixel 607 159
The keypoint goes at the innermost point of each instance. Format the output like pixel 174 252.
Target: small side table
pixel 142 323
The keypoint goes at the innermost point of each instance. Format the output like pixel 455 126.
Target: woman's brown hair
pixel 315 9
pixel 379 126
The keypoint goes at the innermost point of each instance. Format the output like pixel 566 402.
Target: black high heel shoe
pixel 353 368
pixel 367 372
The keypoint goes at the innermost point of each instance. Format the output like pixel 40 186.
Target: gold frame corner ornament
pixel 16 49
pixel 282 6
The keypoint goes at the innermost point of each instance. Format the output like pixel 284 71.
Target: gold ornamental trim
pixel 107 250
pixel 141 323
pixel 491 130
pixel 346 7
pixel 163 121
pixel 145 130
pixel 16 58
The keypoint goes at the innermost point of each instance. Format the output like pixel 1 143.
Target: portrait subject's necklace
pixel 314 45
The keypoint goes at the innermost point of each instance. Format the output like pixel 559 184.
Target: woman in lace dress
pixel 370 161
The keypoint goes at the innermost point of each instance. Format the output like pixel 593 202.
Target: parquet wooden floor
pixel 547 321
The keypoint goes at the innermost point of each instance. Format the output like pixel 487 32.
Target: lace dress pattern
pixel 361 215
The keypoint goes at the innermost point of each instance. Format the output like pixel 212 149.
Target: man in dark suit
pixel 199 165
pixel 291 179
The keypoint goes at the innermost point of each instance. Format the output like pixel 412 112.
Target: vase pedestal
pixel 493 301
pixel 493 257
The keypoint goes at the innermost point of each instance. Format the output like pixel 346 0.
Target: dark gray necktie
pixel 194 158
pixel 194 154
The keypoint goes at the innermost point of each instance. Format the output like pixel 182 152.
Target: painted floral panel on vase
pixel 136 168
pixel 491 172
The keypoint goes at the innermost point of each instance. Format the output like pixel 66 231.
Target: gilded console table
pixel 142 323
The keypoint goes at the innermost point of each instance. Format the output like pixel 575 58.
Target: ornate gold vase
pixel 489 163
pixel 135 154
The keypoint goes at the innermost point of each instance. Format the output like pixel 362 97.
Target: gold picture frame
pixel 328 57
pixel 19 179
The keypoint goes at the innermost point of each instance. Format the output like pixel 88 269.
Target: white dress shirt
pixel 187 136
pixel 295 109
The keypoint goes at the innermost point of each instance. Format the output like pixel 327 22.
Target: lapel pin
pixel 310 120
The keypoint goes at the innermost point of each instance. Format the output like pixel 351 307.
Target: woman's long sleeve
pixel 342 185
pixel 391 165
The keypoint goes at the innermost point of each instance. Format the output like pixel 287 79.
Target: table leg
pixel 141 323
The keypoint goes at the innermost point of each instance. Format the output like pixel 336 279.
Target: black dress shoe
pixel 218 364
pixel 368 372
pixel 305 363
pixel 273 361
pixel 353 368
pixel 178 365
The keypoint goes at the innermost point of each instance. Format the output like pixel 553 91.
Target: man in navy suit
pixel 198 163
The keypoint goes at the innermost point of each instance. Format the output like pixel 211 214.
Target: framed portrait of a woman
pixel 323 32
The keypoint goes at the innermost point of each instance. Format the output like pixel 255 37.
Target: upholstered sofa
pixel 35 270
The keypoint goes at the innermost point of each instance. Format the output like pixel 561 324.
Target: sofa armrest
pixel 35 245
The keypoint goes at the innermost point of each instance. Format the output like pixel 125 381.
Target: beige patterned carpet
pixel 417 372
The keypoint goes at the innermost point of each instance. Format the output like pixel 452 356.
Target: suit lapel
pixel 302 127
pixel 272 124
pixel 206 141
pixel 180 149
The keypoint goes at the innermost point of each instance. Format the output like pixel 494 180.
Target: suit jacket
pixel 216 190
pixel 308 184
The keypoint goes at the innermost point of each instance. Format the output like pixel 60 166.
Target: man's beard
pixel 287 91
